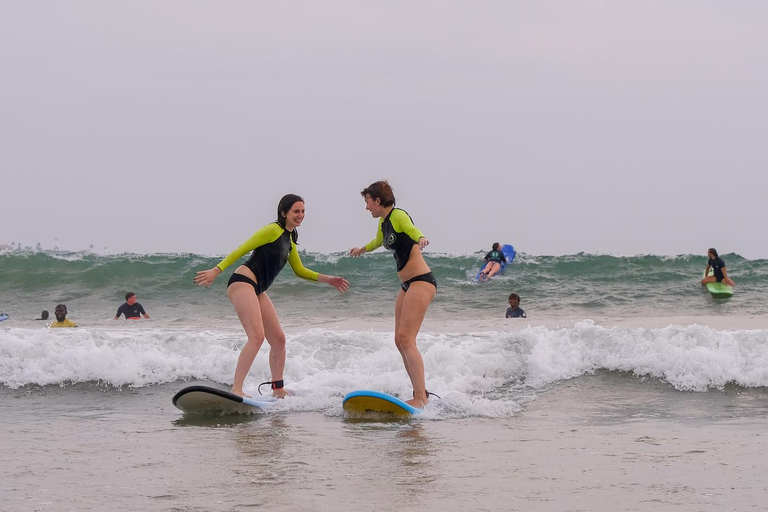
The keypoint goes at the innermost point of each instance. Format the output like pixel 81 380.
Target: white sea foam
pixel 479 374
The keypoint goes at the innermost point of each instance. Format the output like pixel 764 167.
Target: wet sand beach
pixel 595 443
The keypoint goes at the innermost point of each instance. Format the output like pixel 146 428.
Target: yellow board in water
pixel 363 401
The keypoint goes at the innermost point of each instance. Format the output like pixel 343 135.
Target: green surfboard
pixel 719 290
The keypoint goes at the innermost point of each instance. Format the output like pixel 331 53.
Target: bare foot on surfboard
pixel 240 392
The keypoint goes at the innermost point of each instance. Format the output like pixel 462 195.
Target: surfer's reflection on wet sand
pixel 403 454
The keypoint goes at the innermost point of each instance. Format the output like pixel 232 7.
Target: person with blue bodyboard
pixel 495 258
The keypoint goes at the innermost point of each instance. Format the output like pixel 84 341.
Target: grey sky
pixel 559 127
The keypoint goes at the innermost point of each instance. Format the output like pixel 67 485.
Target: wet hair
pixel 283 207
pixel 514 296
pixel 129 295
pixel 382 191
pixel 61 306
pixel 713 251
pixel 44 314
pixel 496 246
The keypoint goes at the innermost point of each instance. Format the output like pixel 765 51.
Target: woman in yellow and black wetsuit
pixel 272 246
pixel 418 286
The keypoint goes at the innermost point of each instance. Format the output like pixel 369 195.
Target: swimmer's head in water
pixel 129 296
pixel 44 315
pixel 60 312
pixel 514 300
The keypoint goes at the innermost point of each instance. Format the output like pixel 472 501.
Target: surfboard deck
pixel 719 290
pixel 509 252
pixel 367 401
pixel 208 400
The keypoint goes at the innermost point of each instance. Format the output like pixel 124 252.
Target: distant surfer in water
pixel 417 284
pixel 131 309
pixel 514 310
pixel 494 258
pixel 61 317
pixel 717 264
pixel 272 246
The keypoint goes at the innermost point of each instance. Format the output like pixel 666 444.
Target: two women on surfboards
pixel 275 244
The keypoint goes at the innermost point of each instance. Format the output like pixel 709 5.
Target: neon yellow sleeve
pixel 402 222
pixel 265 235
pixel 298 267
pixel 376 242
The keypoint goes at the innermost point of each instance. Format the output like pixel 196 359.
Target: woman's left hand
pixel 423 242
pixel 339 283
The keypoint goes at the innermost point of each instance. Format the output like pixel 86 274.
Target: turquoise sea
pixel 578 285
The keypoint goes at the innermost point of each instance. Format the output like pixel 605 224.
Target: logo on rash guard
pixel 391 239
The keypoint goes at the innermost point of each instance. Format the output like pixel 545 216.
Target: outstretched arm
pixel 265 235
pixel 402 222
pixel 370 246
pixel 300 270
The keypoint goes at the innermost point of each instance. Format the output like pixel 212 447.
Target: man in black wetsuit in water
pixel 131 309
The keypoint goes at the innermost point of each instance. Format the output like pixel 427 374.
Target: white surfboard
pixel 208 400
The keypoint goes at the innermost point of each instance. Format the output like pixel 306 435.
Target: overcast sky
pixel 621 127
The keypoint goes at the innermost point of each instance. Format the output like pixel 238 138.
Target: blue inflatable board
pixel 363 401
pixel 207 400
pixel 508 251
pixel 3 316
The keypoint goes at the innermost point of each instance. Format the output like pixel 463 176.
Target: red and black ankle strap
pixel 274 384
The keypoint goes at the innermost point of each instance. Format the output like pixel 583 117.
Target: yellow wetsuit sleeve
pixel 401 222
pixel 265 235
pixel 298 267
pixel 376 242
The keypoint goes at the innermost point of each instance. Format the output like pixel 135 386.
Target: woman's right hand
pixel 206 277
pixel 357 251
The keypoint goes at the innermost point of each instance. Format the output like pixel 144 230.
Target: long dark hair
pixel 713 251
pixel 495 246
pixel 283 207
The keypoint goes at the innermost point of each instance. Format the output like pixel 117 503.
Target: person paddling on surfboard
pixel 494 258
pixel 272 246
pixel 718 266
pixel 418 286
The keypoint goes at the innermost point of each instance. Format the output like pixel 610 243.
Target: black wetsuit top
pixel 496 256
pixel 272 247
pixel 717 265
pixel 516 313
pixel 398 234
pixel 131 311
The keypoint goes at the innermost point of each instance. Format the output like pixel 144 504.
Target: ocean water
pixel 612 345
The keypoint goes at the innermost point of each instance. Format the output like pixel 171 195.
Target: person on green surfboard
pixel 718 266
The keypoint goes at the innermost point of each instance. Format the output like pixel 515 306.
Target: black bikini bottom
pixel 240 278
pixel 427 278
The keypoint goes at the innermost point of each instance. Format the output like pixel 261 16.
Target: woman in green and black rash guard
pixel 272 246
pixel 418 286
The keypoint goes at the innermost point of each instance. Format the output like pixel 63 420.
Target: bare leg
pixel 246 303
pixel 276 340
pixel 410 309
pixel 495 267
pixel 709 279
pixel 484 272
